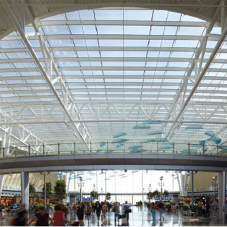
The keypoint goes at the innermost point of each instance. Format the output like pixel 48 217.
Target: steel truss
pixel 64 98
pixel 199 72
pixel 59 103
pixel 99 112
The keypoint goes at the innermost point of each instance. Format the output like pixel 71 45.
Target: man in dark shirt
pixel 98 209
pixel 161 209
pixel 42 218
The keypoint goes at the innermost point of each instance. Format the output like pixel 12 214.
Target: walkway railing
pixel 106 147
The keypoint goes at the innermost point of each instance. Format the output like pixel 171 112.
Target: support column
pixel 222 15
pixel 1 183
pixel 25 189
pixel 221 192
pixel 192 190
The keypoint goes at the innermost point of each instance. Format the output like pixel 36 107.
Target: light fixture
pixel 125 170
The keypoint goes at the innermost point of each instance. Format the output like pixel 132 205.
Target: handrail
pixel 110 147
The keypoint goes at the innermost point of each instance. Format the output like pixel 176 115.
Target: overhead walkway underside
pixel 113 161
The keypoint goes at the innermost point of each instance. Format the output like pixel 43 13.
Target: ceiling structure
pixel 86 72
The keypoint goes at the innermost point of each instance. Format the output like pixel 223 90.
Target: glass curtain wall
pixel 121 182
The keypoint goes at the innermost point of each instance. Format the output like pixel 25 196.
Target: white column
pixel 142 187
pixel 25 189
pixel 221 192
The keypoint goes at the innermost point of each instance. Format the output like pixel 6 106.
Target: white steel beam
pixel 219 43
pixel 111 37
pixel 110 48
pixel 110 59
pixel 135 119
pixel 189 72
pixel 121 22
pixel 110 68
pixel 45 74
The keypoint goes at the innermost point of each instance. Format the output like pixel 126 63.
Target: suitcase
pixel 122 216
pixel 75 223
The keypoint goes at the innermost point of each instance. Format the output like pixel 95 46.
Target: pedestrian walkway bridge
pixel 57 157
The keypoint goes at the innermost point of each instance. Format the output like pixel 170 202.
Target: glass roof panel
pixel 135 69
pixel 140 15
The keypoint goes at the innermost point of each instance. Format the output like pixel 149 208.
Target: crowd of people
pixel 66 214
pixel 59 215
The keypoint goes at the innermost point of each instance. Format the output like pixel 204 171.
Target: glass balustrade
pixel 115 147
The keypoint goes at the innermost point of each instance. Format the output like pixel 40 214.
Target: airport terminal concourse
pixel 114 100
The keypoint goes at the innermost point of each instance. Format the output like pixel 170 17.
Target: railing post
pixel 16 152
pixel 74 147
pixel 217 150
pixel 43 149
pixel 173 147
pixel 203 149
pixel 107 146
pixel 157 147
pixel 90 147
pixel 141 147
pixel 188 148
pixel 29 150
pixel 3 152
pixel 58 148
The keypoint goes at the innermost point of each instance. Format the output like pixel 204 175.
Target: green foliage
pixel 60 189
pixel 166 193
pixel 32 192
pixel 156 193
pixel 49 190
pixel 108 196
pixel 167 204
pixel 150 195
pixel 186 206
pixel 94 194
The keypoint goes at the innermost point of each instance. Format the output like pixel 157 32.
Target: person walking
pixel 98 209
pixel 65 209
pixel 200 206
pixel 42 218
pixel 161 210
pixel 50 210
pixel 116 210
pixel 22 216
pixel 80 213
pixel 108 207
pixel 74 209
pixel 127 210
pixel 225 210
pixel 88 210
pixel 153 211
pixel 59 217
pixel 104 210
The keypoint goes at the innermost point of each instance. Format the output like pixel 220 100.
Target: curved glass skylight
pixel 120 70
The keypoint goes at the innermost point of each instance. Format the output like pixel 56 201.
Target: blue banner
pixel 164 198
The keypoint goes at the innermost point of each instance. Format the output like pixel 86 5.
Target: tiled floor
pixel 141 217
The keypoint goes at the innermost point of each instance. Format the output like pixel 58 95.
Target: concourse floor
pixel 141 217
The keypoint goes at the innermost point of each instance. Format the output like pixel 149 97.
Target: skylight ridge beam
pixel 112 37
pixel 110 59
pixel 105 48
pixel 136 120
pixel 125 23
